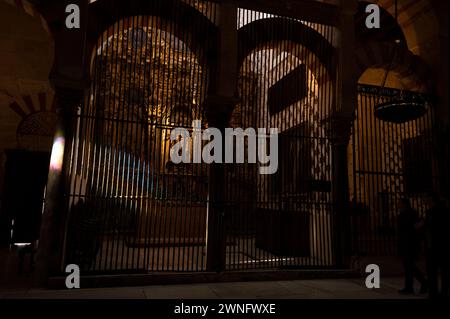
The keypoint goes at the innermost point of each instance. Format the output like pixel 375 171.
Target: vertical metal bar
pixel 155 175
pixel 267 70
pixel 374 177
pixel 377 135
pixel 292 63
pixel 109 142
pixel 355 227
pixel 123 142
pixel 162 216
pixel 173 195
pixel 253 79
pixel 197 250
pixel 186 201
pixel 112 178
pixel 356 184
pixel 328 94
pixel 100 152
pixel 135 238
pixel 144 156
pixel 120 166
pixel 319 142
pixel 365 154
pixel 255 84
pixel 172 192
pixel 180 201
pixel 311 140
pixel 143 129
pixel 385 160
pixel 189 53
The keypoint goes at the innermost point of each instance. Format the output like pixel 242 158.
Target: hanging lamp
pixel 399 109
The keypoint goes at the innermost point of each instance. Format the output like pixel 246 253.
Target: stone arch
pixel 172 46
pixel 26 64
pixel 412 17
pixel 29 9
pixel 282 29
pixel 320 56
pixel 375 48
pixel 413 71
pixel 389 32
pixel 103 15
pixel 38 121
pixel 375 52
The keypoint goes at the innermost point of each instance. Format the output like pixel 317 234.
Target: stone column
pixel 219 115
pixel 69 77
pixel 51 242
pixel 341 123
pixel 347 81
pixel 220 104
pixel 340 127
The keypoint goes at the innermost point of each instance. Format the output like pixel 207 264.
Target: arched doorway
pixel 27 122
pixel 388 161
pixel 285 82
pixel 130 207
pixel 132 210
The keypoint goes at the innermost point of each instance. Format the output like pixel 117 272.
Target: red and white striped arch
pixel 27 105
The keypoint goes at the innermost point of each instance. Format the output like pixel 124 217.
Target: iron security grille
pixel 131 208
pixel 388 161
pixel 285 82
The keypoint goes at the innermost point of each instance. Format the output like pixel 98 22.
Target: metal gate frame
pixel 388 162
pixel 305 201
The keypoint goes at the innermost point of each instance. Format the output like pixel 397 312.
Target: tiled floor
pixel 300 289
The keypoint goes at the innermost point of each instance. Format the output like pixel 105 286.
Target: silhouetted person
pixel 437 239
pixel 409 246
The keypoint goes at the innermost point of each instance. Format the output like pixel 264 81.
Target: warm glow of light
pixel 56 159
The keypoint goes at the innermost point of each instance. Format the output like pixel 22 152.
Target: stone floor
pixel 300 289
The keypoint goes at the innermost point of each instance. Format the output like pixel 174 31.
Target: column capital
pixel 340 128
